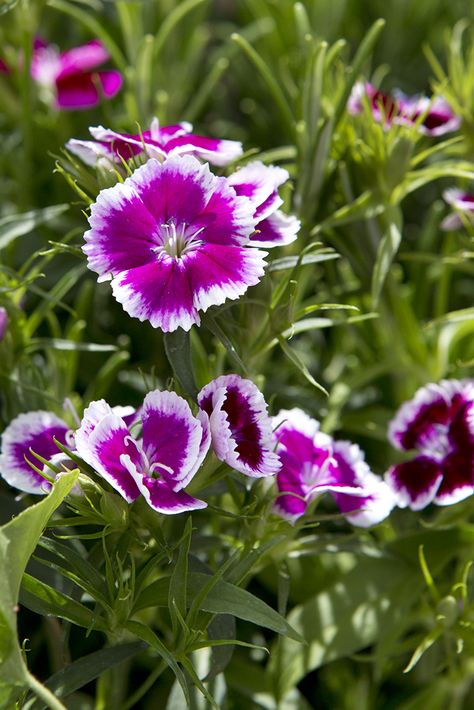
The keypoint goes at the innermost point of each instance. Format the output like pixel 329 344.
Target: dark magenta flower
pixel 260 184
pixel 35 431
pixel 69 80
pixel 174 239
pixel 159 464
pixel 109 148
pixel 463 202
pixel 433 117
pixel 241 429
pixel 438 423
pixel 312 464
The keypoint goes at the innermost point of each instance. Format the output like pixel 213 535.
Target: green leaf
pixel 43 599
pixel 294 358
pixel 364 604
pixel 223 598
pixel 18 225
pixel 386 253
pixel 179 578
pixel 18 539
pixel 87 669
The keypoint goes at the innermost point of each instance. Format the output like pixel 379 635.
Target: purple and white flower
pixel 260 183
pixel 438 423
pixel 35 431
pixel 312 464
pixel 161 463
pixel 69 80
pixel 241 429
pixel 433 117
pixel 463 202
pixel 174 239
pixel 109 147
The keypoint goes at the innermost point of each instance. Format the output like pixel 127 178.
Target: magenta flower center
pixel 177 239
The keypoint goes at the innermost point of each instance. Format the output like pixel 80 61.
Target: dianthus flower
pixel 159 464
pixel 312 463
pixel 241 429
pixel 438 423
pixel 174 238
pixel 437 117
pixel 68 78
pixel 260 183
pixel 462 202
pixel 110 148
pixel 35 431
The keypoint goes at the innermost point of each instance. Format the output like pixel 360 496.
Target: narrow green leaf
pixel 18 225
pixel 386 253
pixel 86 669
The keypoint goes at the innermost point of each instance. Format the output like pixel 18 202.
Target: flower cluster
pixel 438 423
pixel 156 451
pixel 313 463
pixel 433 117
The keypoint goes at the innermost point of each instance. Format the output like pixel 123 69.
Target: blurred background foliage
pixel 380 303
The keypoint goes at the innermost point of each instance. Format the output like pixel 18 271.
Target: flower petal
pixel 83 58
pixel 122 234
pixel 458 477
pixel 90 152
pixel 277 230
pixel 101 441
pixel 32 430
pixel 415 483
pixel 377 500
pixel 419 422
pixel 217 273
pixel 214 150
pixel 158 292
pixel 159 495
pixel 259 182
pixel 173 437
pixel 240 426
pixel 79 91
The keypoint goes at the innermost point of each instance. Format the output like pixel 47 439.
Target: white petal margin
pixel 296 420
pixel 20 430
pixel 168 404
pixel 285 227
pixel 382 499
pixel 93 414
pixel 223 443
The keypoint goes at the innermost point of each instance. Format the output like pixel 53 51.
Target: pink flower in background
pixel 240 426
pixel 3 322
pixel 69 80
pixel 462 202
pixel 161 463
pixel 313 463
pixel 438 423
pixel 110 148
pixel 174 239
pixel 434 117
pixel 260 184
pixel 35 431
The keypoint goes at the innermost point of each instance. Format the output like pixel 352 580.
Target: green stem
pixel 145 687
pixel 44 693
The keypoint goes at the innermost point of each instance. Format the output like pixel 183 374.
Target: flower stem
pixel 44 693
